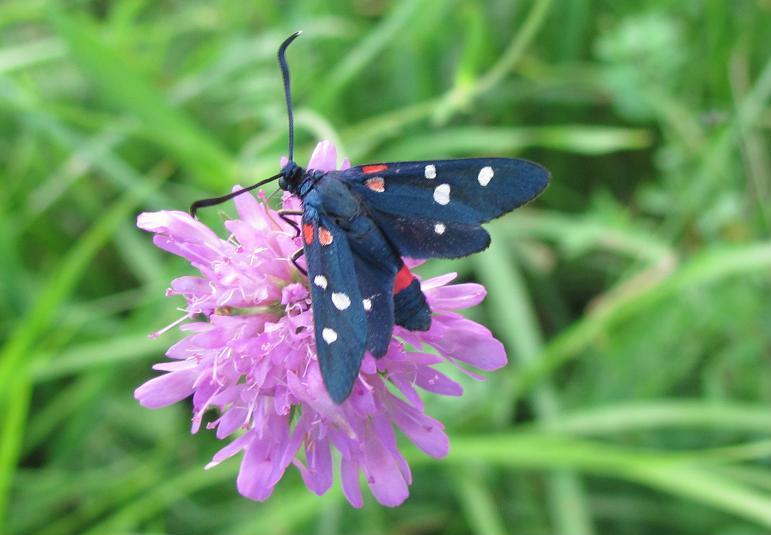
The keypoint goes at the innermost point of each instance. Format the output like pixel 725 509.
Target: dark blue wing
pixel 375 260
pixel 376 285
pixel 338 312
pixel 417 237
pixel 435 208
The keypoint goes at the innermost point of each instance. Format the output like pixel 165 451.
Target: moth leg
pixel 284 214
pixel 297 254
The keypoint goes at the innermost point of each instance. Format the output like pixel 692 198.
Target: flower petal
pixel 251 211
pixel 231 449
pixel 470 342
pixel 349 474
pixel 427 433
pixel 437 382
pixel 179 225
pixel 318 474
pixel 436 282
pixel 384 478
pixel 166 389
pixel 455 296
pixel 324 157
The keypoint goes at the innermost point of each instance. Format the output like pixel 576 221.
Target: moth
pixel 358 224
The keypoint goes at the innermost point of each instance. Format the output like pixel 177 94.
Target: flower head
pixel 249 354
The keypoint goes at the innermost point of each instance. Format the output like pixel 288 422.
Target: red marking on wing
pixel 369 169
pixel 308 233
pixel 376 184
pixel 403 279
pixel 325 237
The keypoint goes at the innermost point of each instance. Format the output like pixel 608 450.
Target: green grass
pixel 634 297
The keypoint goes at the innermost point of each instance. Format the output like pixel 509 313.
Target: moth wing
pixel 338 313
pixel 434 209
pixel 376 286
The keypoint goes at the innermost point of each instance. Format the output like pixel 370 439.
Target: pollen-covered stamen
pixel 325 237
pixel 170 326
pixel 376 184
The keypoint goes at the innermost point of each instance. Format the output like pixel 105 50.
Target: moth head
pixel 291 177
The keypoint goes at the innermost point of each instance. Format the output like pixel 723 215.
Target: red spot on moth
pixel 325 237
pixel 403 279
pixel 369 169
pixel 376 184
pixel 308 233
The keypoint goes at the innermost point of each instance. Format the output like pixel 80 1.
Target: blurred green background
pixel 633 297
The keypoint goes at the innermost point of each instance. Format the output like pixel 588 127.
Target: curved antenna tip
pixel 289 40
pixel 287 88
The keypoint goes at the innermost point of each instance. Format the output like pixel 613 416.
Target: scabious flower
pixel 249 354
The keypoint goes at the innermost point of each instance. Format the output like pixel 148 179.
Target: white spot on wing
pixel 442 194
pixel 329 335
pixel 340 300
pixel 320 281
pixel 485 175
pixel 367 304
pixel 430 171
pixel 439 228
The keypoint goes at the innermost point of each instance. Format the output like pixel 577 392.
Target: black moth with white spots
pixel 358 224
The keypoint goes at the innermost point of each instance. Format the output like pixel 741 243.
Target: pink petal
pixel 175 366
pixel 456 296
pixel 250 211
pixel 427 433
pixel 349 475
pixel 403 383
pixel 324 157
pixel 469 342
pixel 318 474
pixel 179 225
pixel 254 476
pixel 436 382
pixel 231 449
pixel 290 202
pixel 435 282
pixel 412 263
pixel 266 459
pixel 385 430
pixel 188 285
pixel 166 389
pixel 384 478
pixel 231 421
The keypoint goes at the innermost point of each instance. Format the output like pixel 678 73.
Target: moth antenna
pixel 219 200
pixel 287 88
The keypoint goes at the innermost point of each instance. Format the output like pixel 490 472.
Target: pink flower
pixel 250 355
